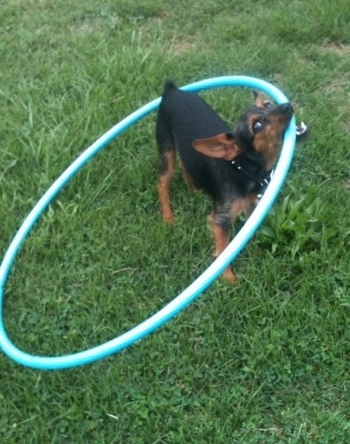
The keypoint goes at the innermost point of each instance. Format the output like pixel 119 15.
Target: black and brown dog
pixel 232 166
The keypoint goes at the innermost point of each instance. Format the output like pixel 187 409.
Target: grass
pixel 266 361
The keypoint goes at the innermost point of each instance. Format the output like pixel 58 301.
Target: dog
pixel 232 166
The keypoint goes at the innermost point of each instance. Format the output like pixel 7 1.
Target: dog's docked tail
pixel 170 85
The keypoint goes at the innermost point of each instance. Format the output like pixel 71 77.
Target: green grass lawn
pixel 265 361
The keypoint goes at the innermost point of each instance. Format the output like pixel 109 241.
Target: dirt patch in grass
pixel 182 47
pixel 336 48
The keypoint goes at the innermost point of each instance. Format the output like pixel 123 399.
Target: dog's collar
pixel 262 182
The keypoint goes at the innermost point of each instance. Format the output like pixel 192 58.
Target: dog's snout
pixel 286 108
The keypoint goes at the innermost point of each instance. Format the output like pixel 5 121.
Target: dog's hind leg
pixel 166 166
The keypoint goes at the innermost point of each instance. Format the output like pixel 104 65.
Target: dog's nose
pixel 286 108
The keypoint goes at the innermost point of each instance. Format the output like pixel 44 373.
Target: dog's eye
pixel 257 126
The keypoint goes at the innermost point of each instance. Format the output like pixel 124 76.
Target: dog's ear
pixel 222 146
pixel 258 98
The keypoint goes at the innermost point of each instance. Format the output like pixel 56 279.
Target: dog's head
pixel 259 132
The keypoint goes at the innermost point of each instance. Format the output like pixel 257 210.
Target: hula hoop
pixel 193 290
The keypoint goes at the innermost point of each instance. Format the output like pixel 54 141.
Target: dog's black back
pixel 184 117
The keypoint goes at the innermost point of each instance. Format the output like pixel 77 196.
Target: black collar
pixel 262 182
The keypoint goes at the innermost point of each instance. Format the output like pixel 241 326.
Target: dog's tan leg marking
pixel 222 239
pixel 164 188
pixel 188 179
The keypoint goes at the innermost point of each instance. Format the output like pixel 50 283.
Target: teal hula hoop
pixel 193 290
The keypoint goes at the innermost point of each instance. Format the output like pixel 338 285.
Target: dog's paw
pixel 229 276
pixel 168 217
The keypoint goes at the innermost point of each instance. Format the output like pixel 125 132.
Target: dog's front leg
pixel 220 227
